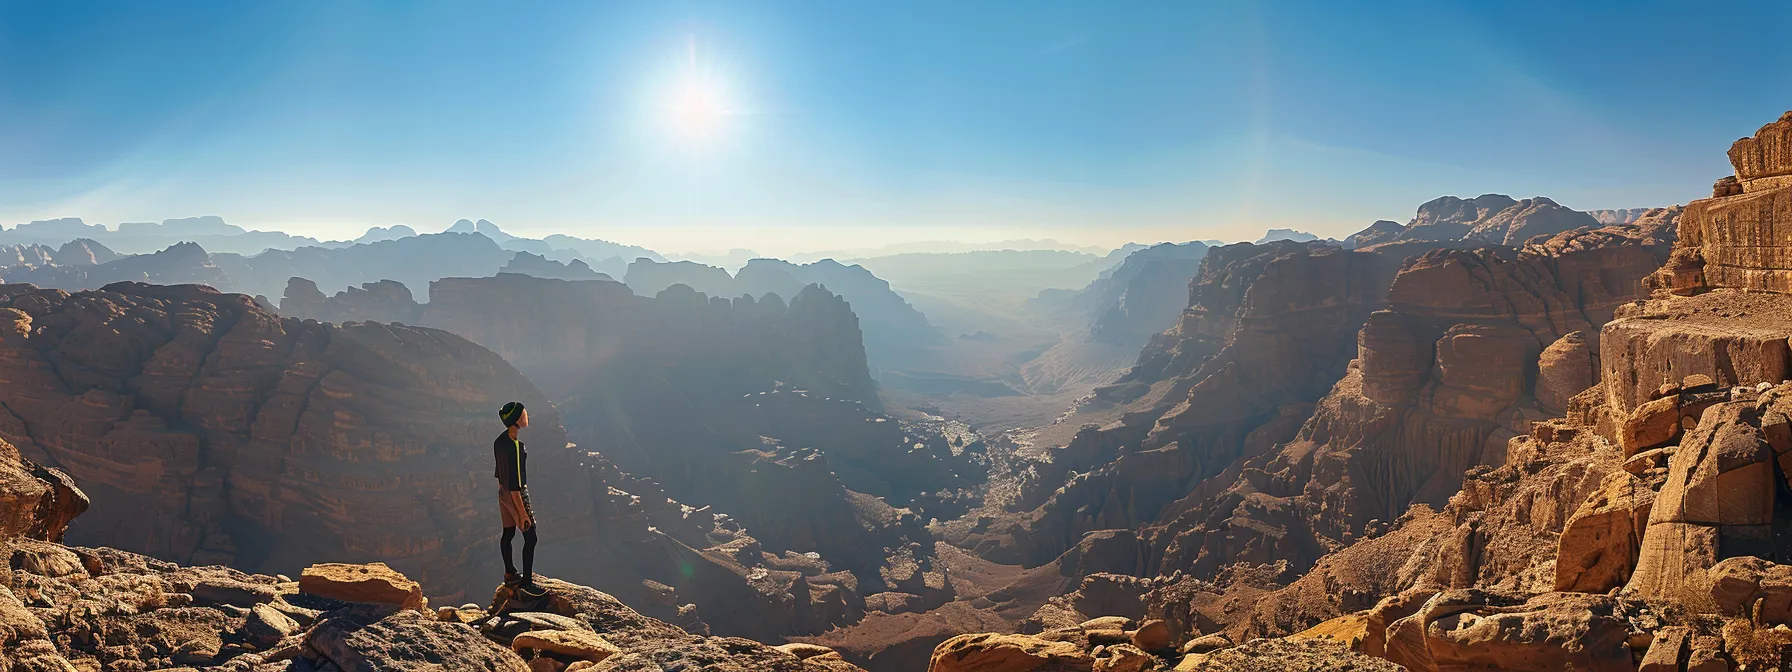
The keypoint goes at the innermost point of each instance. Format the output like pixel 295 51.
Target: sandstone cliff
pixel 775 390
pixel 209 430
pixel 1620 505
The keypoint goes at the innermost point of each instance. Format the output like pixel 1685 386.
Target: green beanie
pixel 511 412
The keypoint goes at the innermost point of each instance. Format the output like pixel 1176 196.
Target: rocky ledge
pixel 67 608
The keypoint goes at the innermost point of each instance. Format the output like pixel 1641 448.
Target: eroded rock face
pixel 1718 502
pixel 102 608
pixel 1736 232
pixel 1600 542
pixel 1443 379
pixel 206 428
pixel 36 502
pixel 1564 369
pixel 1467 629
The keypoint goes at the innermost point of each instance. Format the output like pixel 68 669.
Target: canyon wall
pixel 209 430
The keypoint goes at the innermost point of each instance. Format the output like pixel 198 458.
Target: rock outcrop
pixel 1143 295
pixel 777 385
pixel 1447 347
pixel 893 329
pixel 76 608
pixel 525 263
pixel 207 429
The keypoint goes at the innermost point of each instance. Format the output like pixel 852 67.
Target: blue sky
pixel 867 122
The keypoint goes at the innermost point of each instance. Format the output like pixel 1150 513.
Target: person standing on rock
pixel 513 497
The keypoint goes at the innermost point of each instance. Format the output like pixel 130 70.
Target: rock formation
pixel 210 232
pixel 1326 428
pixel 1380 232
pixel 77 265
pixel 73 608
pixel 414 262
pixel 1142 296
pixel 525 263
pixel 209 430
pixel 893 329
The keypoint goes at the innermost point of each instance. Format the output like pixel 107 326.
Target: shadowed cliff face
pixel 754 407
pixel 209 430
pixel 750 407
pixel 893 329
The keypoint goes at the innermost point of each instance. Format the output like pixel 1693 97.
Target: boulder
pixel 1564 369
pixel 1667 651
pixel 376 638
pixel 1153 635
pixel 1381 617
pixel 1598 546
pixel 1750 587
pixel 1206 643
pixel 372 583
pixel 267 624
pixel 581 644
pixel 1123 658
pixel 989 652
pixel 1651 424
pixel 1473 629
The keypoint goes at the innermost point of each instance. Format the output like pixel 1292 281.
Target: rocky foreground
pixel 1533 462
pixel 66 608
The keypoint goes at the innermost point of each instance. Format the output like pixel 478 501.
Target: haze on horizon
pixel 792 127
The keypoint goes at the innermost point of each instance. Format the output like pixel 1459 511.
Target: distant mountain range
pixel 219 237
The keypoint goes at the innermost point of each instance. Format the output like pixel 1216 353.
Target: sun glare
pixel 697 111
pixel 697 106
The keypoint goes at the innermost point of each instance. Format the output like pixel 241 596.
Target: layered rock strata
pixel 209 430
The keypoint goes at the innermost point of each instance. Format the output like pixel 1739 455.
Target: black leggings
pixel 528 553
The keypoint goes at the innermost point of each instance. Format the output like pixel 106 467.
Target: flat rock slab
pixel 373 583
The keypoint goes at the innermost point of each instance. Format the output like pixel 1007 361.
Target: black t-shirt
pixel 513 462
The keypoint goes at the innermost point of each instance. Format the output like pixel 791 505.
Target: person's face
pixel 523 421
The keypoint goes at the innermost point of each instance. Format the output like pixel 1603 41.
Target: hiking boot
pixel 532 590
pixel 513 579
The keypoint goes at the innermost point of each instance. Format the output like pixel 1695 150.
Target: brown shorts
pixel 509 512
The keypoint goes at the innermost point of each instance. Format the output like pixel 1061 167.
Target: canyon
pixel 1565 454
pixel 1503 435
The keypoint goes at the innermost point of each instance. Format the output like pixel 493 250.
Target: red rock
pixel 1599 543
pixel 1553 631
pixel 1650 425
pixel 373 583
pixel 1006 653
pixel 1564 369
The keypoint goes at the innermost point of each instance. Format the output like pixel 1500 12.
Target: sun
pixel 697 110
pixel 696 106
